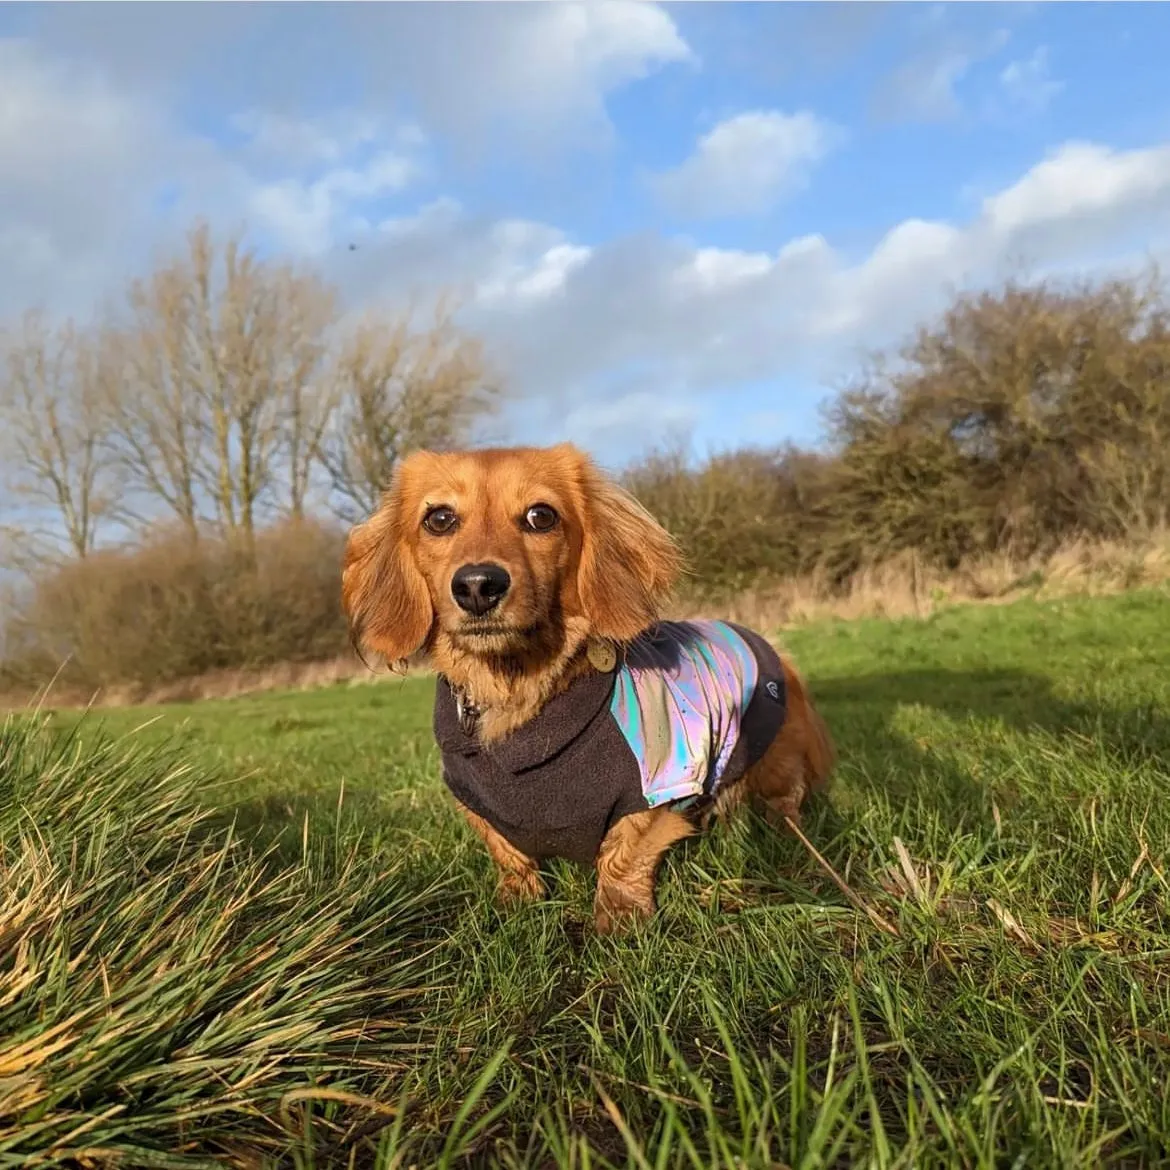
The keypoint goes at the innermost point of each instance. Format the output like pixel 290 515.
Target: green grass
pixel 256 929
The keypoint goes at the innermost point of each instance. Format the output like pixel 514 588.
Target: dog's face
pixel 503 552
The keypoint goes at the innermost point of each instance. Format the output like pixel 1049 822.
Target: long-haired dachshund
pixel 572 721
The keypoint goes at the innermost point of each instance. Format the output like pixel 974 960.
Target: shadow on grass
pixel 1019 699
pixel 951 776
pixel 948 778
pixel 862 711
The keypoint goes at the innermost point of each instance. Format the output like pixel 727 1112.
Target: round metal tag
pixel 602 656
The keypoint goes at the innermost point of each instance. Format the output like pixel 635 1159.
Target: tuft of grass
pixel 1000 803
pixel 168 992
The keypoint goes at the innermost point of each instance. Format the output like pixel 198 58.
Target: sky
pixel 665 220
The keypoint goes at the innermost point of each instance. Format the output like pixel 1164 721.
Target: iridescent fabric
pixel 679 701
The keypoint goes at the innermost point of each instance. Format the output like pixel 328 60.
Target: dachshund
pixel 572 719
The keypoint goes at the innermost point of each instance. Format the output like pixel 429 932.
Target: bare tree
pixel 308 408
pixel 157 427
pixel 54 431
pixel 399 388
pixel 222 401
pixel 226 393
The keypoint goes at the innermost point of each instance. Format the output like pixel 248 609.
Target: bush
pixel 1019 421
pixel 170 609
pixel 740 517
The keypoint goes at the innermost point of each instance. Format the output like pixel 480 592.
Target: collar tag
pixel 602 656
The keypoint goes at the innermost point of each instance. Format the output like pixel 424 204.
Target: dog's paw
pixel 516 889
pixel 616 913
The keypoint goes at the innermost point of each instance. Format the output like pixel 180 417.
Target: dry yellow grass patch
pixel 905 587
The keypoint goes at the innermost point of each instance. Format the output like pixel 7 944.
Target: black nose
pixel 478 589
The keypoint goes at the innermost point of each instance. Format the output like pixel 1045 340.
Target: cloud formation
pixel 543 71
pixel 925 88
pixel 746 163
pixel 691 319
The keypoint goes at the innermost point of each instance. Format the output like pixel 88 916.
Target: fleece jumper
pixel 690 708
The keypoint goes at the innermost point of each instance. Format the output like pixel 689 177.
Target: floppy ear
pixel 383 593
pixel 629 562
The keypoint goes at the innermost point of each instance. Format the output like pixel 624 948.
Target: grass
pixel 255 931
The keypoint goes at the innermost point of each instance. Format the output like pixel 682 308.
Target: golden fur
pixel 600 575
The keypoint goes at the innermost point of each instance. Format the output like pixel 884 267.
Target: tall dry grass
pixel 906 586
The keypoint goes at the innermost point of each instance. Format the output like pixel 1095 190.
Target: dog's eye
pixel 440 521
pixel 540 518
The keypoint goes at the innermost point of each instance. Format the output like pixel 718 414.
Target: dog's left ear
pixel 383 593
pixel 629 562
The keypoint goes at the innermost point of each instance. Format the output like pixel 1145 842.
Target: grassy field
pixel 256 931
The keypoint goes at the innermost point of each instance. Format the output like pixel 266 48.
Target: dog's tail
pixel 819 754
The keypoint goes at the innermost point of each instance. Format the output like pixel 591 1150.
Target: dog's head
pixel 503 552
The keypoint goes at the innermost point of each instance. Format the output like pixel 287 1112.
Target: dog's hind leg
pixel 519 875
pixel 797 763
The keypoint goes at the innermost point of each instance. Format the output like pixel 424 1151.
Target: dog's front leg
pixel 519 875
pixel 627 866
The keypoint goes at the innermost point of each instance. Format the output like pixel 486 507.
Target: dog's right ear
pixel 383 593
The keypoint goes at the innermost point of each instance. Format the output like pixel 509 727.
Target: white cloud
pixel 83 165
pixel 640 323
pixel 98 173
pixel 42 99
pixel 716 268
pixel 521 283
pixel 746 163
pixel 1028 84
pixel 276 137
pixel 1082 180
pixel 602 45
pixel 543 69
pixel 924 89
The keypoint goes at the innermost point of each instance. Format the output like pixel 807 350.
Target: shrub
pixel 171 608
pixel 1020 420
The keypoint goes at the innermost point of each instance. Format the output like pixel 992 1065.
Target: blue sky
pixel 668 219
